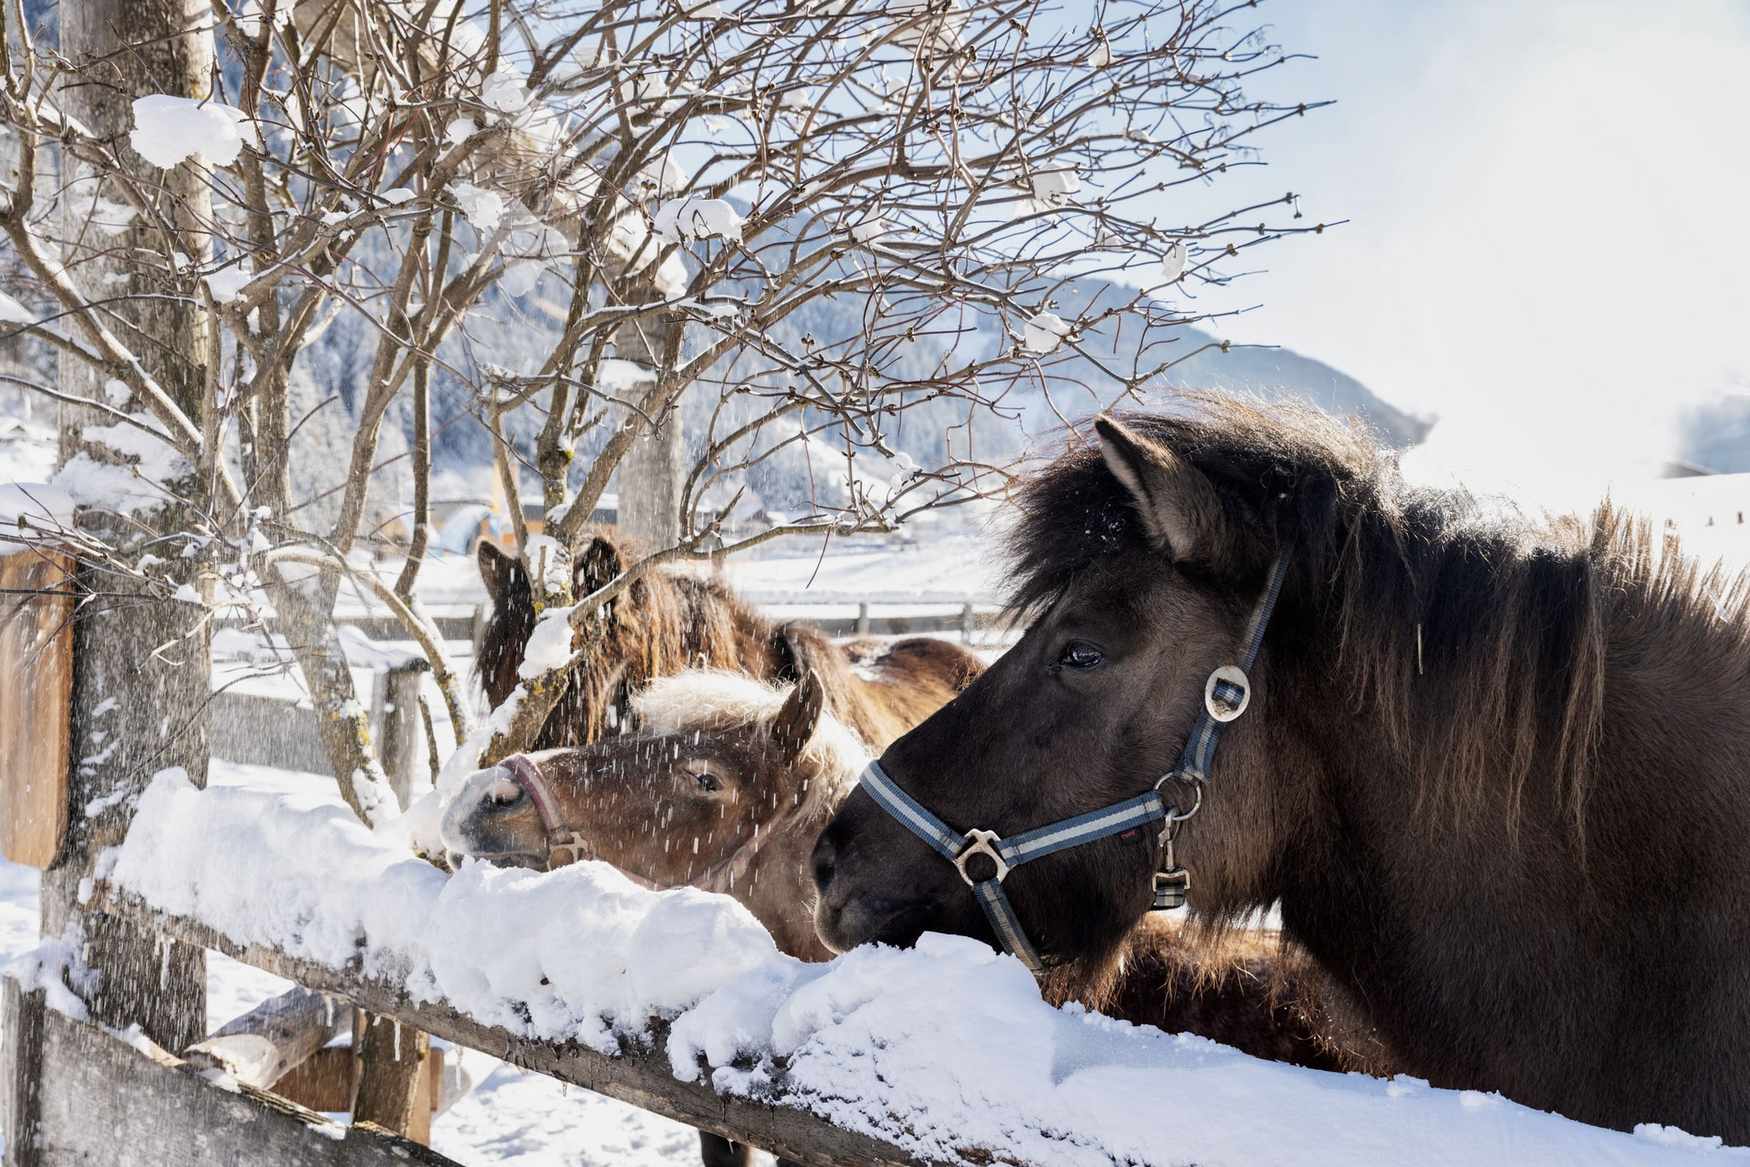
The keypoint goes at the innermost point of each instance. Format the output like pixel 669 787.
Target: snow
pixel 53 965
pixel 12 312
pixel 944 1049
pixel 398 195
pixel 1053 189
pixel 483 208
pixel 169 130
pixel 520 278
pixel 614 375
pixel 1173 263
pixel 227 283
pixel 507 92
pixel 35 504
pixel 1043 332
pixel 549 645
pixel 696 218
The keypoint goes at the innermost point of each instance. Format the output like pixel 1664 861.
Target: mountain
pixel 1717 435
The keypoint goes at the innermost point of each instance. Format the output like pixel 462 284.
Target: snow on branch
pixel 857 255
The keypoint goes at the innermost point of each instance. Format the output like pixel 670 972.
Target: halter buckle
pixel 981 843
pixel 1218 704
pixel 1171 889
pixel 570 841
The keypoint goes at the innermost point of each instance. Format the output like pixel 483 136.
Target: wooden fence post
pixel 393 1057
pixel 863 618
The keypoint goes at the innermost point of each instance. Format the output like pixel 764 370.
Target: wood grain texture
pixel 639 1074
pixel 98 1099
pixel 36 703
pixel 268 1042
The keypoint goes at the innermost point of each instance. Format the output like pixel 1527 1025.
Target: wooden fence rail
pixel 640 1074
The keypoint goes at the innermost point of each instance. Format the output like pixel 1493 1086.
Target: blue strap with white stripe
pixel 1116 819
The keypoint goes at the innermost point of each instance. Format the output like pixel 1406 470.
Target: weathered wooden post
pixel 392 1059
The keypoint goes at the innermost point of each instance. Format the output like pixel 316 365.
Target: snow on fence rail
pixel 679 1002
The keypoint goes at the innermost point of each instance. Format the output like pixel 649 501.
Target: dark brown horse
pixel 1495 775
pixel 725 786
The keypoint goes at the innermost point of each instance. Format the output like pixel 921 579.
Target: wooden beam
pixel 392 1070
pixel 36 703
pixel 100 1099
pixel 268 1042
pixel 639 1074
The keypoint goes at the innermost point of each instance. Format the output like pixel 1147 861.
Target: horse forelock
pixel 713 699
pixel 1475 641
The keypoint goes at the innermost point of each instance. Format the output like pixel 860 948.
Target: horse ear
pixel 794 726
pixel 596 565
pixel 496 569
pixel 1179 507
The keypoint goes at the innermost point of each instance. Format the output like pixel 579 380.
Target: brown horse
pixel 664 623
pixel 726 780
pixel 728 792
pixel 668 622
pixel 1495 775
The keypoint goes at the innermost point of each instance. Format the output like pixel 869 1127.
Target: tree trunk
pixel 654 468
pixel 141 663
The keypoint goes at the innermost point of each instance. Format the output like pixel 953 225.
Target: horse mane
pixel 666 621
pixel 713 699
pixel 1477 639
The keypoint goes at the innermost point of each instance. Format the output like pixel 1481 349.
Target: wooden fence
pixel 76 1092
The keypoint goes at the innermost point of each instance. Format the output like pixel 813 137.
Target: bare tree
pixel 685 189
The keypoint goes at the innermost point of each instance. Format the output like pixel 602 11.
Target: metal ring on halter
pixel 1196 785
pixel 981 843
pixel 1231 675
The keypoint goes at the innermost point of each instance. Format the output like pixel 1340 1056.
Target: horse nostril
pixel 504 792
pixel 822 862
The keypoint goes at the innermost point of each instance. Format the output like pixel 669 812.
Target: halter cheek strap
pixel 527 776
pixel 1226 694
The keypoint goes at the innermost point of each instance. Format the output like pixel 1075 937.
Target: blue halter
pixel 1226 694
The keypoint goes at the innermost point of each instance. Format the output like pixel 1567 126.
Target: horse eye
pixel 707 781
pixel 1079 654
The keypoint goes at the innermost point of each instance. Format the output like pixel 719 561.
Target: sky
pixel 1549 219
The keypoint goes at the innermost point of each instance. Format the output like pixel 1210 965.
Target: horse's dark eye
pixel 1079 654
pixel 707 781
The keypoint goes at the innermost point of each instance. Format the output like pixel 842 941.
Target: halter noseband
pixel 1226 695
pixel 527 777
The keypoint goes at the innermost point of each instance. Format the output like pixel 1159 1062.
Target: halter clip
pixel 981 843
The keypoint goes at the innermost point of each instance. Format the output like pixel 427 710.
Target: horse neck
pixel 769 876
pixel 1451 911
